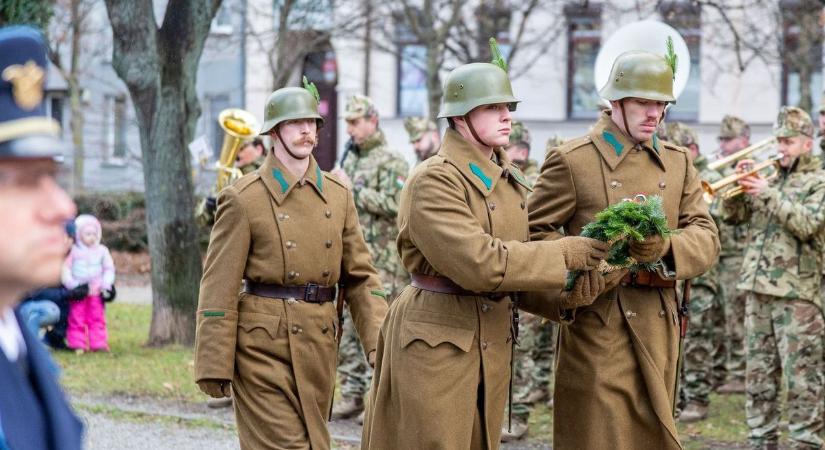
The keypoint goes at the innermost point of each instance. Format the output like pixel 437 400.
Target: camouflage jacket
pixel 531 172
pixel 784 256
pixel 378 174
pixel 710 279
pixel 733 237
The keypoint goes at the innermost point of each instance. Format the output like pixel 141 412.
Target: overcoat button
pixel 614 184
pixel 326 273
pixel 324 329
pixel 295 329
pixel 492 206
pixel 290 244
pixel 281 216
pixel 292 274
pixel 484 345
pixel 485 307
pixel 662 185
pixel 662 313
pixel 328 243
pixel 630 314
pixel 328 213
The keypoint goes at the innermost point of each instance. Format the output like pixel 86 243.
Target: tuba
pixel 238 126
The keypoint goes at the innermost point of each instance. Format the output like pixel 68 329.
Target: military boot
pixel 732 387
pixel 348 407
pixel 693 412
pixel 518 430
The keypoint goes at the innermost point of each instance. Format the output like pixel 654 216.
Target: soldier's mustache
pixel 305 140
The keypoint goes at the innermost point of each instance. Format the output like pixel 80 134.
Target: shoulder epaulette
pixel 334 179
pixel 574 144
pixel 672 146
pixel 245 181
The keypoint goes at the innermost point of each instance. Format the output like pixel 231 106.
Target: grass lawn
pixel 166 373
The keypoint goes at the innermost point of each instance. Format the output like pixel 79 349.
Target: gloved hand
pixel 79 292
pixel 215 388
pixel 108 295
pixel 211 204
pixel 582 253
pixel 650 250
pixel 585 290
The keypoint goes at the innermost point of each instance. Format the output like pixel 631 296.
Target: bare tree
pixel 159 66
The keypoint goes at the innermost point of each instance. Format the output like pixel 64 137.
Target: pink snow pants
pixel 87 319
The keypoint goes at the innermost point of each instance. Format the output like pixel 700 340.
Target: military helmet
pixel 793 121
pixel 639 74
pixel 417 126
pixel 680 134
pixel 519 134
pixel 359 106
pixel 472 85
pixel 733 127
pixel 26 131
pixel 290 103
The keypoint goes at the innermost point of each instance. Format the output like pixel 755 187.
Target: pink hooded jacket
pixel 89 264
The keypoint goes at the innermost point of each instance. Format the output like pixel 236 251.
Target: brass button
pixel 485 307
pixel 286 216
pixel 614 184
pixel 296 329
pixel 484 345
pixel 281 216
pixel 328 213
pixel 326 273
pixel 324 329
pixel 291 244
pixel 662 185
pixel 630 314
pixel 328 243
pixel 492 206
pixel 662 313
pixel 292 274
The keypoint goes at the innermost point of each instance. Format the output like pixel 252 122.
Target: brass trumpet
pixel 747 151
pixel 712 190
pixel 238 126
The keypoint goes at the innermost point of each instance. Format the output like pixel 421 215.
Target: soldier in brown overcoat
pixel 617 358
pixel 443 363
pixel 284 236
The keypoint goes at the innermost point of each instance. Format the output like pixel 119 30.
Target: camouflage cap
pixel 733 127
pixel 359 106
pixel 793 121
pixel 519 134
pixel 680 134
pixel 553 142
pixel 417 126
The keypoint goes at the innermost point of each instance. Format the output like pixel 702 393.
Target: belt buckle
pixel 312 292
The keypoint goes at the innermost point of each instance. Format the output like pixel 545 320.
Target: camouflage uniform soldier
pixel 376 175
pixel 553 142
pixel 734 135
pixel 707 320
pixel 781 275
pixel 424 136
pixel 534 354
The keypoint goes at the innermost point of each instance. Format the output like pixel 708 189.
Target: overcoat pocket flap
pixel 248 321
pixel 434 334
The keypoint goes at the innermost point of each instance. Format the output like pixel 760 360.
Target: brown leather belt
pixel 645 278
pixel 444 285
pixel 310 292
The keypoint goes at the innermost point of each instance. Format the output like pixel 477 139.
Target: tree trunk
pixel 433 80
pixel 76 125
pixel 159 66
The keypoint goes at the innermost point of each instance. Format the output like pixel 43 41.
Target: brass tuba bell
pixel 238 126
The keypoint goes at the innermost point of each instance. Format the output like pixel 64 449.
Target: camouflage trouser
pixel 785 337
pixel 701 345
pixel 733 301
pixel 355 372
pixel 533 361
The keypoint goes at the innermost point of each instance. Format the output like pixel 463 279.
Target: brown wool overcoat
pixel 442 368
pixel 281 353
pixel 617 358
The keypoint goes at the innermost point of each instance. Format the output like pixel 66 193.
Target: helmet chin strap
pixel 624 120
pixel 286 147
pixel 469 123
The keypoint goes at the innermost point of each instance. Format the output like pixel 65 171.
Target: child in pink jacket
pixel 89 262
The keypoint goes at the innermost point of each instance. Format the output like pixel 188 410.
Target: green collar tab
pixel 617 146
pixel 213 314
pixel 481 175
pixel 656 143
pixel 279 177
pixel 319 179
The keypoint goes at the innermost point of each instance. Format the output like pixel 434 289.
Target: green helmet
pixel 472 85
pixel 639 74
pixel 290 103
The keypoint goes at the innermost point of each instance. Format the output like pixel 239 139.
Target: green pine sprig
pixel 618 224
pixel 498 59
pixel 671 57
pixel 312 89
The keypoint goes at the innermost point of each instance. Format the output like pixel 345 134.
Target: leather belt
pixel 644 278
pixel 444 285
pixel 310 292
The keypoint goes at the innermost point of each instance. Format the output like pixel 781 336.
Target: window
pixel 584 29
pixel 687 20
pixel 412 76
pixel 800 30
pixel 115 129
pixel 119 150
pixel 55 109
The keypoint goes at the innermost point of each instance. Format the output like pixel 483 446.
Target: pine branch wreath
pixel 618 224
